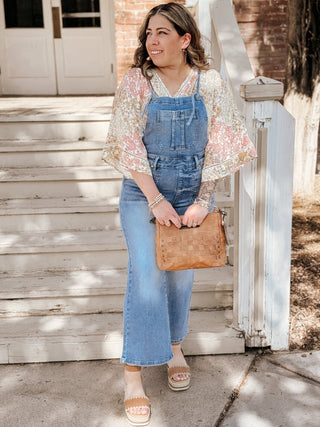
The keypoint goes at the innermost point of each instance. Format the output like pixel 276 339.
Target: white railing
pixel 263 189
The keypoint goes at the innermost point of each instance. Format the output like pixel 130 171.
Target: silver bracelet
pixel 156 201
pixel 202 203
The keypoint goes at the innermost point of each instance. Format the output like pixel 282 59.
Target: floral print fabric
pixel 228 148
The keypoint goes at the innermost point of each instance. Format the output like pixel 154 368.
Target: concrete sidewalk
pixel 281 389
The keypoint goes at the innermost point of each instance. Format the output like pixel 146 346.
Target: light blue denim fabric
pixel 157 303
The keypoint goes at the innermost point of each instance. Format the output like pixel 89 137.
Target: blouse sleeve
pixel 229 147
pixel 124 148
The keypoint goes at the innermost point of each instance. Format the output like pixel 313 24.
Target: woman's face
pixel 164 44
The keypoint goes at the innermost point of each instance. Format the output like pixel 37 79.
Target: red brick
pixel 263 26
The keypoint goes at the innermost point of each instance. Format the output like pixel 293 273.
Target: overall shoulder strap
pixel 198 82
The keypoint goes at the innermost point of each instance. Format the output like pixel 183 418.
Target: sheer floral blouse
pixel 228 147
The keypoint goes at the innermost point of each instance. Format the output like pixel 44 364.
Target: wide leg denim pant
pixel 156 306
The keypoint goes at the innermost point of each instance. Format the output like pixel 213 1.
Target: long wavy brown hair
pixel 184 23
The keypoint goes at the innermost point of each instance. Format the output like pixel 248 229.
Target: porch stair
pixel 62 254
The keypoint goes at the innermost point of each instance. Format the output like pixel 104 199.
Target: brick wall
pixel 263 26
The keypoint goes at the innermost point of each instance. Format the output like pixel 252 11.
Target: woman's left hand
pixel 194 215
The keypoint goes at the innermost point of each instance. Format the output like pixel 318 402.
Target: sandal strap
pixel 136 402
pixel 178 370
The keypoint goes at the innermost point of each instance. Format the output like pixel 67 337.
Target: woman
pixel 174 132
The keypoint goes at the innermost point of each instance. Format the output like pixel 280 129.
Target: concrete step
pixel 69 181
pixel 99 336
pixel 59 182
pixel 64 250
pixel 55 117
pixel 78 213
pixel 50 153
pixel 59 214
pixel 62 108
pixel 99 291
pixel 58 174
pixel 48 145
pixel 68 241
pixel 91 128
pixel 48 121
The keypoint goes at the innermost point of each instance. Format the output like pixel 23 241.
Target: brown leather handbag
pixel 188 248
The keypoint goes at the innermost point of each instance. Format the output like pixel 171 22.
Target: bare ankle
pixel 132 368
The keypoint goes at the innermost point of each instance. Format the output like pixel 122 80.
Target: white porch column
pixel 264 218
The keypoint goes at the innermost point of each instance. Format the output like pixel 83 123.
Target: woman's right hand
pixel 165 213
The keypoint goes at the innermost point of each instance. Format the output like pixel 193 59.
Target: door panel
pixel 26 51
pixel 76 66
pixel 21 51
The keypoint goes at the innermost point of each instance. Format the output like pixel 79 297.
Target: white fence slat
pixel 279 193
pixel 245 224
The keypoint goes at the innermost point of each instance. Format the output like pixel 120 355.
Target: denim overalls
pixel 157 303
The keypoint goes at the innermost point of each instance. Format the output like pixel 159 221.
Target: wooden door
pixel 84 48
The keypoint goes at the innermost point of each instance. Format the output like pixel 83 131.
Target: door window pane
pixel 23 13
pixel 80 13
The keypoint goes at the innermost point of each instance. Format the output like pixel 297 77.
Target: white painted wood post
pixel 263 189
pixel 264 218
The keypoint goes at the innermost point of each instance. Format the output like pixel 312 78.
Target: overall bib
pixel 157 303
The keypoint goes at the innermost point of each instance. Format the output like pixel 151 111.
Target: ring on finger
pixel 194 224
pixel 167 223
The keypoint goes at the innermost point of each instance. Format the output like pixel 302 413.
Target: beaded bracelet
pixel 156 201
pixel 202 202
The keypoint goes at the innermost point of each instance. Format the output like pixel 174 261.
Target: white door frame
pixel 33 62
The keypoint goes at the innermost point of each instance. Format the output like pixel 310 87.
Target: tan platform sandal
pixel 182 384
pixel 138 402
pixel 179 385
